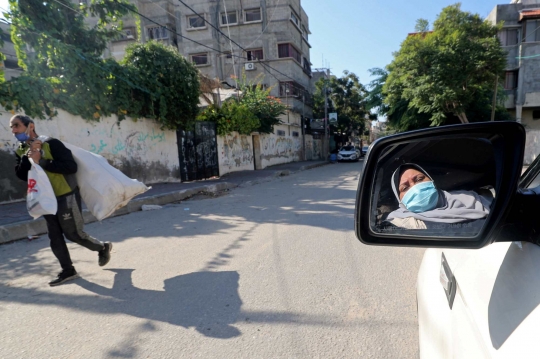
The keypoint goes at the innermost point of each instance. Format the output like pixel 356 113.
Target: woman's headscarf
pixel 454 207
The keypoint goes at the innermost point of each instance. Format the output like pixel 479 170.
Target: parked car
pixel 364 150
pixel 348 153
pixel 458 190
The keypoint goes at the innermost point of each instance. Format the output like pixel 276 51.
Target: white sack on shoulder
pixel 103 188
pixel 40 199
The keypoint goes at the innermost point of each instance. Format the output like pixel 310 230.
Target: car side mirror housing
pixel 450 186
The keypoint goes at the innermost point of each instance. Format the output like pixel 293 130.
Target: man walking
pixel 59 165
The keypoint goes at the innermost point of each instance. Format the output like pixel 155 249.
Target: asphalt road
pixel 268 271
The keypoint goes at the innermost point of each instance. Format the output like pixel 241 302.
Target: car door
pixel 478 294
pixel 496 304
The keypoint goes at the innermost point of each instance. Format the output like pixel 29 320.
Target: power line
pixel 237 44
pixel 174 32
pixel 267 24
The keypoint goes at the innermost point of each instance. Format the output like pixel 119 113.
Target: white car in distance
pixel 348 153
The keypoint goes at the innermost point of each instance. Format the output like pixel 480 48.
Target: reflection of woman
pixel 422 205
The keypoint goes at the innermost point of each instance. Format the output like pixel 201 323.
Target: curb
pixel 22 230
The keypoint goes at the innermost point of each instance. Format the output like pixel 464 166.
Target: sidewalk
pixel 15 223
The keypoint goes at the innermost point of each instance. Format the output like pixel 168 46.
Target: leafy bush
pixel 232 116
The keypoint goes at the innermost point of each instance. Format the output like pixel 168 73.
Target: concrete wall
pixel 235 153
pixel 313 149
pixel 532 143
pixel 139 149
pixel 277 149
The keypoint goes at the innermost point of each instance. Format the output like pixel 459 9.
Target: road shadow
pixel 332 208
pixel 207 301
pixel 515 293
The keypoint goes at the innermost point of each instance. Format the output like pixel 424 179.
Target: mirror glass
pixel 435 188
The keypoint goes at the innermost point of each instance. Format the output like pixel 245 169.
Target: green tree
pixel 65 69
pixel 347 96
pixel 446 72
pixel 265 107
pixel 169 85
pixel 232 116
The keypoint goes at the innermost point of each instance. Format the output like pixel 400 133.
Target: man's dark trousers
pixel 69 222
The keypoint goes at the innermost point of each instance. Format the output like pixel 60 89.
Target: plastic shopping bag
pixel 103 188
pixel 40 199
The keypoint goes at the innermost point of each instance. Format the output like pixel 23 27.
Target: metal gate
pixel 198 152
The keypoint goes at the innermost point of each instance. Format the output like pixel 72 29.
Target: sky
pixel 357 35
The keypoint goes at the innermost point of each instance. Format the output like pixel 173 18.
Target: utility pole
pixel 302 121
pixel 494 103
pixel 325 121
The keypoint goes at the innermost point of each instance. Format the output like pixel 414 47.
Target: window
pixel 200 59
pixel 304 32
pixel 280 133
pixel 532 31
pixel 254 55
pixel 229 18
pixel 509 37
pixel 294 18
pixel 536 114
pixel 128 34
pixel 196 22
pixel 6 37
pixel 228 57
pixel 252 15
pixel 510 81
pixel 288 50
pixel 290 89
pixel 295 134
pixel 157 32
pixel 307 66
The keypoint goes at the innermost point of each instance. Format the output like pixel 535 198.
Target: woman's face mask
pixel 421 197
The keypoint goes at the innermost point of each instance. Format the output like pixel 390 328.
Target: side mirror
pixel 449 186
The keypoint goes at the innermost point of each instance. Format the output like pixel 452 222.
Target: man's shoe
pixel 105 254
pixel 64 276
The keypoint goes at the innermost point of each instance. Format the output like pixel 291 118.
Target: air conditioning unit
pixel 250 66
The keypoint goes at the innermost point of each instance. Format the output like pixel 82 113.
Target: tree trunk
pixel 462 117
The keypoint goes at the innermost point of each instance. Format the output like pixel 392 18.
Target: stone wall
pixel 277 149
pixel 532 143
pixel 235 153
pixel 140 148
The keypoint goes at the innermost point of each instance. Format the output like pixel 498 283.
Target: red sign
pixel 31 184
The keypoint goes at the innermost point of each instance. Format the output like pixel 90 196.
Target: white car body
pixel 496 310
pixel 348 155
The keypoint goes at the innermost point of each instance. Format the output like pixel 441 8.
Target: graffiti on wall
pixel 135 144
pixel 317 149
pixel 279 146
pixel 236 152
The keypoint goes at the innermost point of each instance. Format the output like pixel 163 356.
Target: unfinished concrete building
pixel 520 37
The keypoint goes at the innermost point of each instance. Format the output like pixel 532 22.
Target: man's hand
pixel 35 155
pixel 35 151
pixel 36 145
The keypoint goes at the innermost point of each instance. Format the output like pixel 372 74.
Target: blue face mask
pixel 421 197
pixel 22 136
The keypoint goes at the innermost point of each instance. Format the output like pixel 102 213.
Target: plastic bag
pixel 103 188
pixel 40 199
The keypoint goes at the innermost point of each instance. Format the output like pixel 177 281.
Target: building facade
pixel 255 41
pixel 520 37
pixel 270 43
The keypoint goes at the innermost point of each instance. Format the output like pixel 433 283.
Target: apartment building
pixel 10 64
pixel 520 37
pixel 270 44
